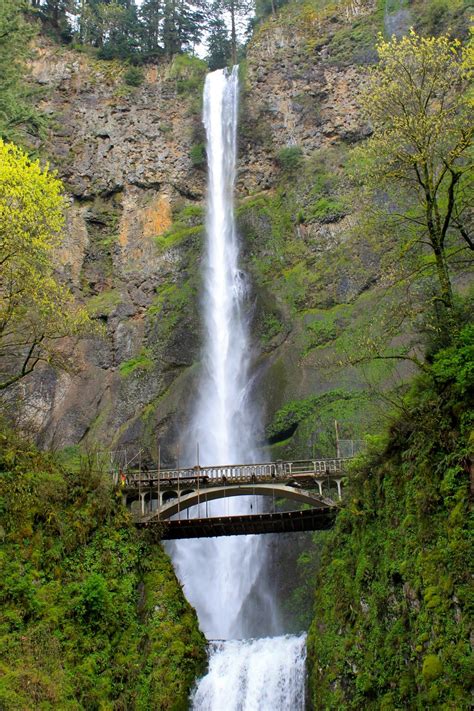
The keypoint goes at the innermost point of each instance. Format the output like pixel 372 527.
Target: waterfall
pixel 222 576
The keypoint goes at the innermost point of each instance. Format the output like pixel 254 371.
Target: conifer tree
pixel 17 115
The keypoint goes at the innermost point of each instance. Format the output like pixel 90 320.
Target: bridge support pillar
pixel 339 489
pixel 320 486
pixel 142 503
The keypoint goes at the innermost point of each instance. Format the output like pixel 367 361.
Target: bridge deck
pixel 317 519
pixel 235 474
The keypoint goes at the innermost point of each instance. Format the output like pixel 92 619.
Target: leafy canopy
pixel 35 309
pixel 416 166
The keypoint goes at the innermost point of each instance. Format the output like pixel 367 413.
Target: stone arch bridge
pixel 165 497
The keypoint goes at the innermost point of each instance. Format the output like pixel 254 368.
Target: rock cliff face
pixel 125 157
pixel 134 223
pixel 299 91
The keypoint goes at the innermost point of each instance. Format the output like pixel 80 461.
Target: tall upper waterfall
pixel 224 578
pixel 224 422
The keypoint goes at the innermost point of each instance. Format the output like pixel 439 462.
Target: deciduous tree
pixel 36 310
pixel 419 158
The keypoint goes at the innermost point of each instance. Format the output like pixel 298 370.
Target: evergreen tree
pixel 183 25
pixel 120 29
pixel 218 42
pixel 151 20
pixel 238 12
pixel 17 115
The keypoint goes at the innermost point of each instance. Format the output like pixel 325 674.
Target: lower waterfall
pixel 222 577
pixel 254 675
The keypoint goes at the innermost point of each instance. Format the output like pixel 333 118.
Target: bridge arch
pixel 194 498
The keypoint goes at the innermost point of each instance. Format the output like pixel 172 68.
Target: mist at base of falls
pixel 226 579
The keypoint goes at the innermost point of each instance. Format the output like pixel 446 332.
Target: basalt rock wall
pixel 132 163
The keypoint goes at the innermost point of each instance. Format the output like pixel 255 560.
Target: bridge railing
pixel 239 472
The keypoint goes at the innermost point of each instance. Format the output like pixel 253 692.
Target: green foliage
pixel 104 303
pixel 290 158
pixel 93 604
pixel 355 43
pixel 188 74
pixel 271 327
pixel 133 76
pixel 18 117
pixel 437 16
pixel 420 148
pixel 455 365
pixel 198 155
pixel 308 424
pixel 142 361
pixel 392 609
pixel 35 308
pixel 218 41
pixel 91 613
pixel 327 209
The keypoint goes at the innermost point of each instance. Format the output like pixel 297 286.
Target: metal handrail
pixel 282 469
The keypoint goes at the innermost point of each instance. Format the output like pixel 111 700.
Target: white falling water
pixel 221 575
pixel 254 675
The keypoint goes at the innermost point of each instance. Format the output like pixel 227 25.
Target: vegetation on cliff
pixel 92 615
pixel 36 311
pixel 18 116
pixel 393 606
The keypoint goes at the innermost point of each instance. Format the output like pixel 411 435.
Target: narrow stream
pixel 223 577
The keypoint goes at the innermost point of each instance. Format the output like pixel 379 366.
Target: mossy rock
pixel 432 667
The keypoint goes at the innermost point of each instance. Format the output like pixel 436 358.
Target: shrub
pixel 93 605
pixel 133 76
pixel 290 158
pixel 198 155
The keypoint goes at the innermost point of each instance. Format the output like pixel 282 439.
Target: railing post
pixel 159 486
pixel 199 488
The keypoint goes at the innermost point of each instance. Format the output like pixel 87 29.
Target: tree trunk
pixel 443 277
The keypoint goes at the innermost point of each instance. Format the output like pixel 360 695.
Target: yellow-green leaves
pixel 416 102
pixel 420 154
pixel 35 309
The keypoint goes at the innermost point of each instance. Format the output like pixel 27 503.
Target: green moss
pixel 311 422
pixel 142 361
pixel 432 667
pixel 104 303
pixel 395 563
pixel 175 236
pixel 325 326
pixel 92 615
